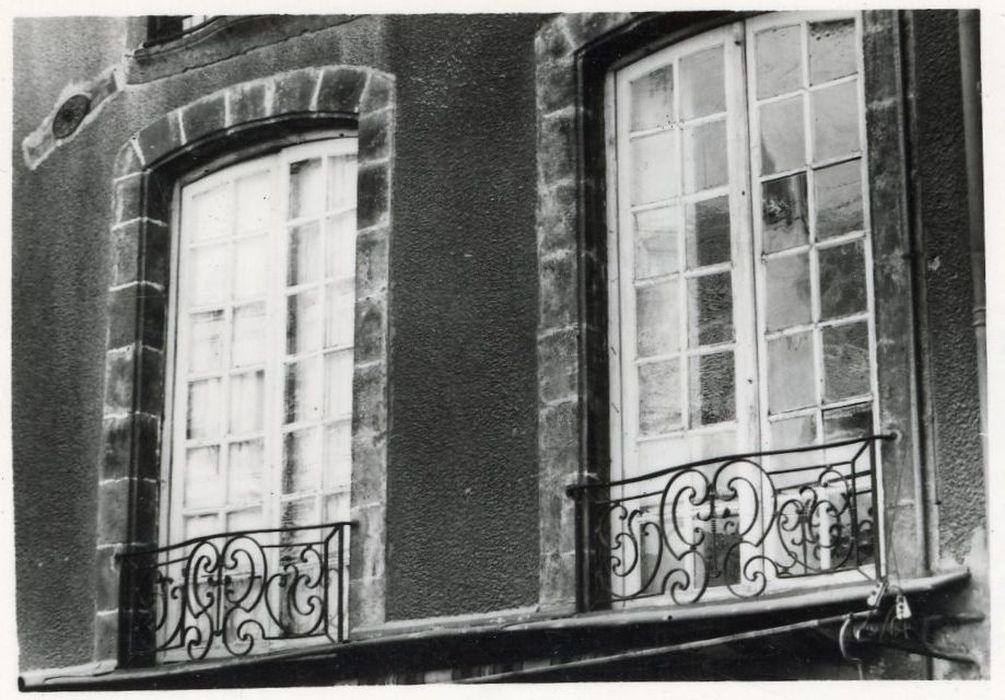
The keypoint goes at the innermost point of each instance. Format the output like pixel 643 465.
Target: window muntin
pixel 740 295
pixel 263 336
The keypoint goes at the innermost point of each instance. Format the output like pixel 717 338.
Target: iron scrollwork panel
pixel 235 594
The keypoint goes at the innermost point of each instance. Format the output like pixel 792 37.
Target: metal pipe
pixel 970 74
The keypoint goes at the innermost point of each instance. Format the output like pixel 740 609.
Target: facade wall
pixel 468 300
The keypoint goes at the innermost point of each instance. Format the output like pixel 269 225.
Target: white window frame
pixel 748 268
pixel 171 517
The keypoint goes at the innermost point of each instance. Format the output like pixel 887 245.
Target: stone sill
pixel 220 38
pixel 468 630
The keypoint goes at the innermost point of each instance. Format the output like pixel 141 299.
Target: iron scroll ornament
pixel 233 594
pixel 739 526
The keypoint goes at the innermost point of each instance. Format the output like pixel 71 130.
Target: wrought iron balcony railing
pixel 739 526
pixel 234 594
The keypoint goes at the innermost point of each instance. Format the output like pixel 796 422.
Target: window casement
pixel 741 315
pixel 262 400
pixel 255 546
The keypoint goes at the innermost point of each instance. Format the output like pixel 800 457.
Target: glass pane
pixel 839 199
pixel 336 508
pixel 338 384
pixel 301 458
pixel 249 339
pixel 791 382
pixel 702 83
pixel 707 227
pixel 657 319
pixel 253 202
pixel 779 61
pixel 341 313
pixel 832 50
pixel 211 214
pixel 713 389
pixel 241 520
pixel 799 431
pixel 206 342
pixel 244 476
pixel 788 283
pixel 298 513
pixel 846 361
pixel 705 156
pixel 711 310
pixel 842 280
pixel 303 390
pixel 205 409
pixel 847 422
pixel 655 242
pixel 341 252
pixel 655 167
pixel 251 267
pixel 659 397
pixel 652 100
pixel 783 213
pixel 306 188
pixel 304 329
pixel 305 255
pixel 247 402
pixel 338 455
pixel 200 526
pixel 208 274
pixel 782 136
pixel 835 121
pixel 202 478
pixel 341 182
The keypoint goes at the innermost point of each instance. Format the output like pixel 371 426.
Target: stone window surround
pixel 574 53
pixel 264 111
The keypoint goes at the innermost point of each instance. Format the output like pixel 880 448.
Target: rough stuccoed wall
pixel 60 267
pixel 462 462
pixel 57 375
pixel 960 490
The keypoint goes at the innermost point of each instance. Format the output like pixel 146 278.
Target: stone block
pixel 158 191
pixel 556 85
pixel 126 161
pixel 127 201
pixel 558 579
pixel 341 89
pixel 140 252
pixel 552 41
pixel 557 211
pixel 131 447
pixel 136 313
pixel 371 263
pixel 248 102
pixel 106 635
pixel 584 27
pixel 370 342
pixel 367 602
pixel 557 365
pixel 369 399
pixel 160 138
pixel 204 117
pixel 378 93
pixel 373 195
pixel 556 157
pixel 108 577
pixel 116 499
pixel 369 470
pixel 295 91
pixel 120 381
pixel 558 440
pixel 375 135
pixel 558 303
pixel 367 542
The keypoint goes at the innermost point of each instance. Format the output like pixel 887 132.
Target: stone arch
pixel 146 169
